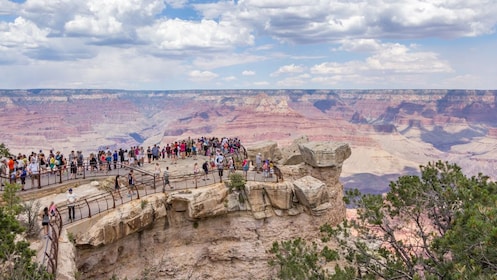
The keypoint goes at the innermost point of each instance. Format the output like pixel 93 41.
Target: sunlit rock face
pixel 210 232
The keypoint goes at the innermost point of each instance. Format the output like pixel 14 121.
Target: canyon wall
pixel 392 131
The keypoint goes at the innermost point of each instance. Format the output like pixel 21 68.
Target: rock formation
pixel 210 233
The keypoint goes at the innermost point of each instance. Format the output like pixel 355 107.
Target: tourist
pixel 80 159
pixel 258 162
pixel 220 166
pixel 22 173
pixel 52 209
pixel 34 173
pixel 131 183
pixel 74 168
pixel 149 154
pixel 245 167
pixel 205 167
pixel 71 203
pixel 231 166
pixel 166 178
pixel 45 220
pixel 115 158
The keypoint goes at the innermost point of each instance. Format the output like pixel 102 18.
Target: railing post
pixel 89 209
pixel 113 200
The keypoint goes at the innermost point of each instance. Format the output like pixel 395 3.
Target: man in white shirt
pixel 34 173
pixel 71 203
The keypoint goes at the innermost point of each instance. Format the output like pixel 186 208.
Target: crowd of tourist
pixel 17 168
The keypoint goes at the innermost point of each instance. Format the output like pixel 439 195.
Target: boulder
pixel 325 154
pixel 201 203
pixel 268 150
pixel 291 154
pixel 128 218
pixel 264 196
pixel 311 192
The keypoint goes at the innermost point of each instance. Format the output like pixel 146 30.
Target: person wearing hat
pixel 71 203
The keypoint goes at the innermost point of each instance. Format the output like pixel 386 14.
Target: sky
pixel 248 44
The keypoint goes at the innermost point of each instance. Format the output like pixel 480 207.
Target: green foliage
pixel 143 204
pixel 30 209
pixel 296 260
pixel 195 224
pixel 4 151
pixel 237 182
pixel 12 201
pixel 439 225
pixel 15 255
pixel 71 237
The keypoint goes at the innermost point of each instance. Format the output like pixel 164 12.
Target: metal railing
pixel 146 183
pixel 51 252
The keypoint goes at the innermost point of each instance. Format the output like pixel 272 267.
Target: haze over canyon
pixel 391 132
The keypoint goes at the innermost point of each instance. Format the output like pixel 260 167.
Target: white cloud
pixel 248 73
pixel 202 76
pixel 180 34
pixel 22 34
pixel 230 78
pixel 7 7
pixel 288 69
pixel 387 58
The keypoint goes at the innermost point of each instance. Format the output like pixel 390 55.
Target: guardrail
pixel 146 183
pixel 51 252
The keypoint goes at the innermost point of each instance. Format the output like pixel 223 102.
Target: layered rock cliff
pixel 393 131
pixel 212 233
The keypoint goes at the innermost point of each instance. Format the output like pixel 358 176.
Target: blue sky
pixel 248 44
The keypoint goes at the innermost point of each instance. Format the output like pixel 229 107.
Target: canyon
pixel 391 132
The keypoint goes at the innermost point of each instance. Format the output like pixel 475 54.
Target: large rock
pixel 201 203
pixel 267 149
pixel 128 218
pixel 291 154
pixel 264 197
pixel 325 154
pixel 312 193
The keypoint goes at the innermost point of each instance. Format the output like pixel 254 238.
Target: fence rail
pixel 146 183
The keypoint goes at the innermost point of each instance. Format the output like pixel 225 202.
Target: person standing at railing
pixel 205 167
pixel 115 157
pixel 52 209
pixel 34 173
pixel 80 159
pixel 220 166
pixel 245 167
pixel 166 178
pixel 131 182
pixel 71 203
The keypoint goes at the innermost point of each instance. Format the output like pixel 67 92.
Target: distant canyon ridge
pixel 390 132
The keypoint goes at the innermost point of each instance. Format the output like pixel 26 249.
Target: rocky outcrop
pixel 291 154
pixel 194 234
pixel 267 149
